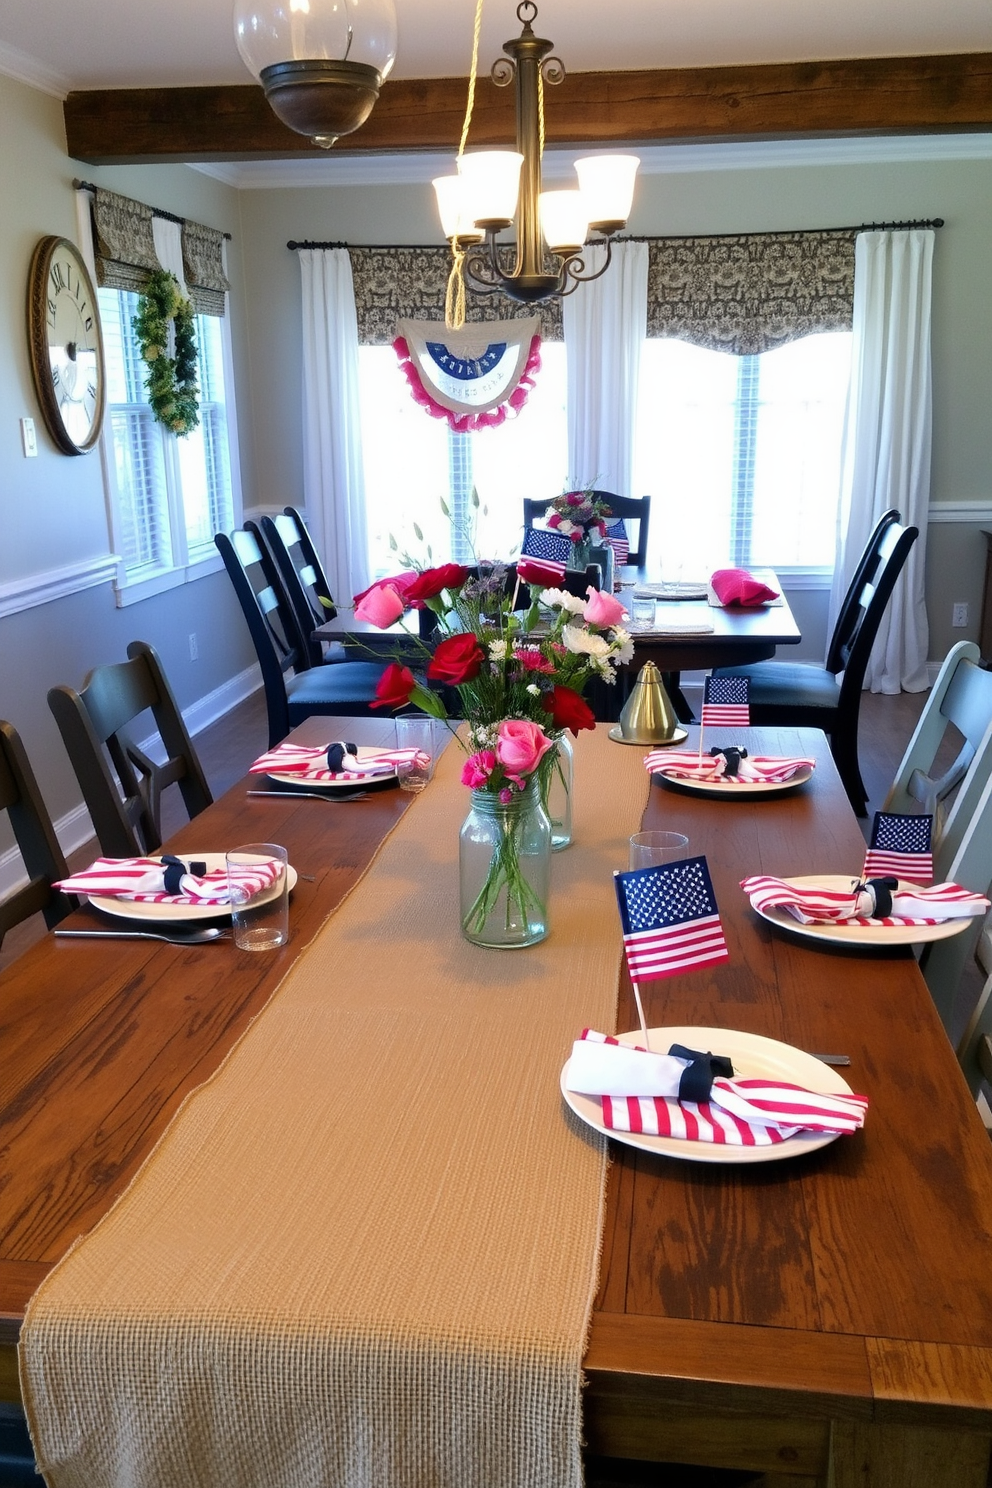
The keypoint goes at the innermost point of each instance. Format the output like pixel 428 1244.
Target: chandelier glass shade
pixel 493 188
pixel 321 62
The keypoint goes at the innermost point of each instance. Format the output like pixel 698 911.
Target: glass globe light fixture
pixel 321 62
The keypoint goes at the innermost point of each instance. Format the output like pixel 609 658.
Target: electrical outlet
pixel 960 616
pixel 193 649
pixel 29 439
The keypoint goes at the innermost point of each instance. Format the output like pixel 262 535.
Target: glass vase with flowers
pixel 511 655
pixel 581 517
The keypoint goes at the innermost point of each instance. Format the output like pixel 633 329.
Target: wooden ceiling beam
pixel 880 95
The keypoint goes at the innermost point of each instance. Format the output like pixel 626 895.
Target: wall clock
pixel 66 345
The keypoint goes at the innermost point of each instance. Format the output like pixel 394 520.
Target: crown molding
pixel 26 69
pixel 661 160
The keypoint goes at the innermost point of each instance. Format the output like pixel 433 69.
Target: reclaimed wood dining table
pixel 825 1320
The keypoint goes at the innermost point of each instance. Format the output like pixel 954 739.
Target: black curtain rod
pixel 934 222
pixel 78 185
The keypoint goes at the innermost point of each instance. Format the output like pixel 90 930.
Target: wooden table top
pixel 849 1289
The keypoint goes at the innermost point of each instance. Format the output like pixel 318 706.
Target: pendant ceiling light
pixel 494 187
pixel 321 62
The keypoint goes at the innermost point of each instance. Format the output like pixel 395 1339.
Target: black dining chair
pixel 800 695
pixel 304 582
pixel 36 841
pixel 121 784
pixel 294 690
pixel 629 508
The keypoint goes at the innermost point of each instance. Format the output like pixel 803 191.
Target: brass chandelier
pixel 492 188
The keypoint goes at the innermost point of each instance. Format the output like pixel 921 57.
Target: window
pixel 169 495
pixel 742 454
pixel 412 460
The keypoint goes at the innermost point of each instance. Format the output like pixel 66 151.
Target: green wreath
pixel 171 383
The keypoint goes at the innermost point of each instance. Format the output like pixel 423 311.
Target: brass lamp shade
pixel 321 98
pixel 648 716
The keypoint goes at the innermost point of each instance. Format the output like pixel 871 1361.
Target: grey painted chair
pixel 943 961
pixel 35 838
pixel 796 694
pixel 121 785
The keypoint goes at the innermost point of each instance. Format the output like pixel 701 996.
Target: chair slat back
pixel 849 614
pixel 875 593
pixel 301 578
pixel 35 836
pixel 943 961
pixel 96 724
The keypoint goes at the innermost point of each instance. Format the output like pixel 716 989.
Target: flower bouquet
pixel 516 675
pixel 581 517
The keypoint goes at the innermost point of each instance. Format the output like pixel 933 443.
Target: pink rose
pixel 602 609
pixel 520 747
pixel 477 768
pixel 400 582
pixel 381 606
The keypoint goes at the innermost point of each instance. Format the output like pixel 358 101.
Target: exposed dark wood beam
pixel 881 95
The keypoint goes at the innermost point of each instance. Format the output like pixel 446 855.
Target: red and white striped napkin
pixel 639 1093
pixel 143 881
pixel 813 904
pixel 310 765
pixel 755 769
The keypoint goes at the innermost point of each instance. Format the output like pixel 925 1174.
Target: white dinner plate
pixel 745 788
pixel 347 780
pixel 130 909
pixel 751 1054
pixel 860 935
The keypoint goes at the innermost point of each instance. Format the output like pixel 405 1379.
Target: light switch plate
pixel 29 439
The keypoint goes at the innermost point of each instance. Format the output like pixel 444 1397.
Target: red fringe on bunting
pixel 465 423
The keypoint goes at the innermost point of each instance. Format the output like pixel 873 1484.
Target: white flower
pixel 566 527
pixel 533 689
pixel 584 643
pixel 558 599
pixel 623 646
pixel 497 650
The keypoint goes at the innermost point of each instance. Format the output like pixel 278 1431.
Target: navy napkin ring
pixel 880 890
pixel 176 870
pixel 733 754
pixel 697 1079
pixel 336 753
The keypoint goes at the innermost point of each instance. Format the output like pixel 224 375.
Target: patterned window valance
pixel 123 244
pixel 751 293
pixel 203 266
pixel 394 284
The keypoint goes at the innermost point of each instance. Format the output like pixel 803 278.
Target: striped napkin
pixel 333 762
pixel 768 769
pixel 168 880
pixel 646 1092
pixel 813 904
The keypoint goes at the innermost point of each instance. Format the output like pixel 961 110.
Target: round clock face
pixel 66 345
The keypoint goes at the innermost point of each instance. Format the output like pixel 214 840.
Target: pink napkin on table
pixel 167 880
pixel 811 904
pixel 640 1092
pixel 311 766
pixel 735 586
pixel 754 769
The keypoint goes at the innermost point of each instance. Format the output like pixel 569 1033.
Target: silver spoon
pixel 184 937
pixel 309 796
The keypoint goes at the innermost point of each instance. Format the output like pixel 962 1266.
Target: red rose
pixel 457 659
pixel 395 686
pixel 428 585
pixel 568 710
pixel 540 572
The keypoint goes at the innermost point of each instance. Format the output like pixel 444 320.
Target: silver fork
pixel 186 937
pixel 334 800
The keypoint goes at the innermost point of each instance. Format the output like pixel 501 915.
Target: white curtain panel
pixel 605 324
pixel 333 470
pixel 168 239
pixel 886 453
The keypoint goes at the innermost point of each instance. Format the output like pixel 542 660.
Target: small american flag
pixel 551 546
pixel 670 919
pixel 900 847
pixel 616 536
pixel 725 702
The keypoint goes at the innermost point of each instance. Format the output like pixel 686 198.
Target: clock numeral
pixel 88 322
pixel 51 311
pixel 58 277
pixel 56 379
pixel 91 391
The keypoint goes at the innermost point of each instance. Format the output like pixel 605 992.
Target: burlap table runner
pixel 364 1254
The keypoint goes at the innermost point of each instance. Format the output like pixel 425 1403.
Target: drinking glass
pixel 650 849
pixel 416 732
pixel 642 612
pixel 260 920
